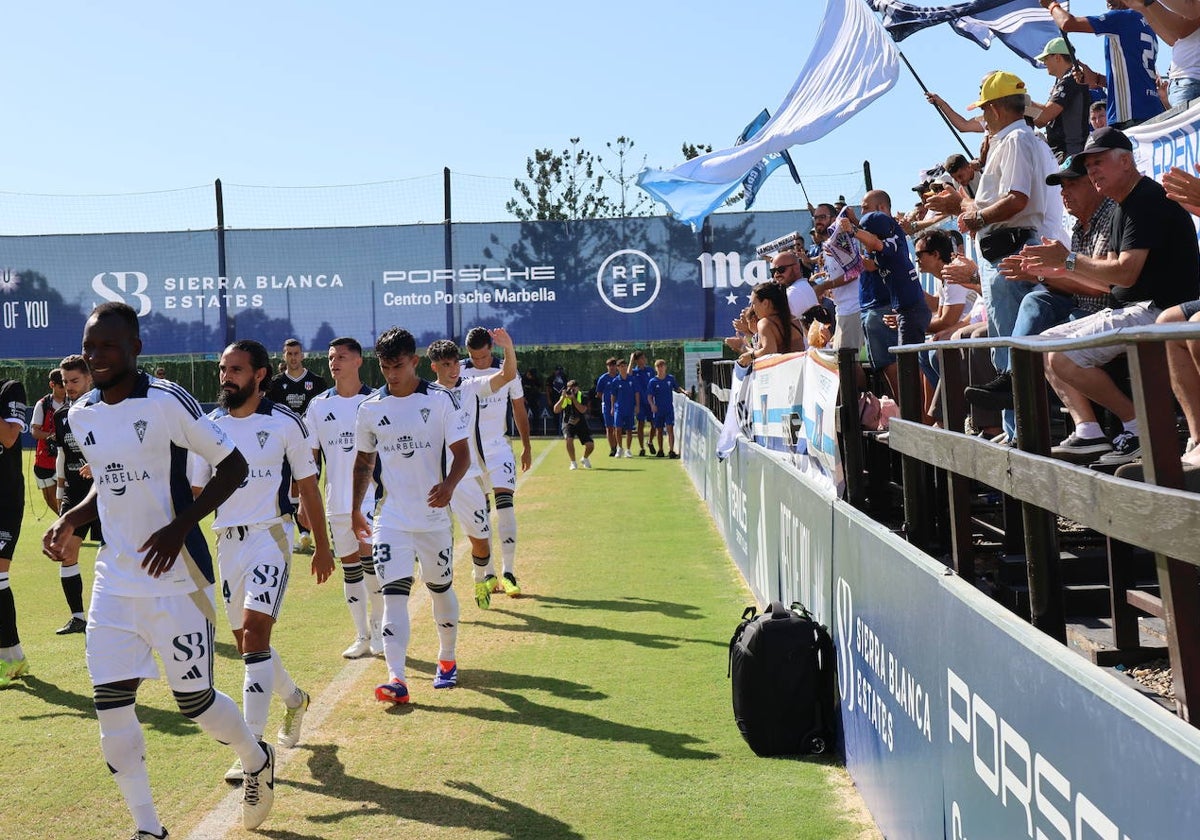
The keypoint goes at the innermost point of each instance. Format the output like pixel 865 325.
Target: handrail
pixel 1037 343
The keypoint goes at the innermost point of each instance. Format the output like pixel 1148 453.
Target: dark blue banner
pixel 609 280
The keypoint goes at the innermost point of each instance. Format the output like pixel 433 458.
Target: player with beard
pixel 254 531
pixel 411 424
pixel 153 589
pixel 74 480
pixel 469 502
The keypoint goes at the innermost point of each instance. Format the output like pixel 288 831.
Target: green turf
pixel 595 706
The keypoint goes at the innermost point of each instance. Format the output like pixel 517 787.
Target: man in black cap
pixel 1059 299
pixel 1152 264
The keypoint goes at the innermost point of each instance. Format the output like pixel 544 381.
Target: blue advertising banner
pixel 887 630
pixel 601 280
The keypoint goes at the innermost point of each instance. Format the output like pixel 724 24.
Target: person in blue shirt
pixel 640 373
pixel 887 248
pixel 659 391
pixel 624 403
pixel 1130 51
pixel 604 394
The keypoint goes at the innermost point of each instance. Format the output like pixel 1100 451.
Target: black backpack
pixel 784 682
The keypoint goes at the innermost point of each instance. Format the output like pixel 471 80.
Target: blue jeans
pixel 1182 91
pixel 879 337
pixel 1042 309
pixel 1002 299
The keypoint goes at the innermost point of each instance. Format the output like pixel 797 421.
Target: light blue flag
pixel 852 63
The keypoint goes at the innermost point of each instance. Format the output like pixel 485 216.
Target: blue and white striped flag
pixel 1021 25
pixel 825 95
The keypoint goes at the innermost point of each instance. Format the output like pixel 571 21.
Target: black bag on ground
pixel 782 666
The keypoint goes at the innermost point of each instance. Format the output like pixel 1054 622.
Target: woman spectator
pixel 776 331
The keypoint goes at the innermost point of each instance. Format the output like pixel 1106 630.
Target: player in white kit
pixel 330 418
pixel 153 586
pixel 413 427
pixel 254 531
pixel 497 451
pixel 469 503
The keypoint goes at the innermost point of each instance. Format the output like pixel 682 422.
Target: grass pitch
pixel 595 706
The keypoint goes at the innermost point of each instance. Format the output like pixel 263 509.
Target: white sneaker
pixel 235 773
pixel 258 791
pixel 376 639
pixel 289 731
pixel 573 466
pixel 620 452
pixel 586 464
pixel 360 647
pixel 628 454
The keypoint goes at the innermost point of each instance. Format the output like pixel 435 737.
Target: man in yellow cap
pixel 1065 115
pixel 1013 207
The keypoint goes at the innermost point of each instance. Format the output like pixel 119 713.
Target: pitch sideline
pixel 226 814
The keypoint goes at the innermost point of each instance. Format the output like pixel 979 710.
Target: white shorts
pixel 255 564
pixel 343 540
pixel 1135 315
pixel 500 465
pixel 123 633
pixel 396 551
pixel 469 504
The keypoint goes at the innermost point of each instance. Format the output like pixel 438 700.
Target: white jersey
pixel 277 449
pixel 470 392
pixel 138 450
pixel 493 409
pixel 410 436
pixel 330 418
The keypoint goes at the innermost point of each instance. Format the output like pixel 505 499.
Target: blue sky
pixel 138 97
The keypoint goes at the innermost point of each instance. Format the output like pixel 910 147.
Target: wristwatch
pixel 1069 263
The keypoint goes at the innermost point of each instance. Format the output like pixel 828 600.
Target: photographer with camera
pixel 574 422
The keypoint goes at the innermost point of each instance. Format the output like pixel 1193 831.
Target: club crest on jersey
pixel 262 439
pixel 424 415
pixel 308 385
pixel 140 427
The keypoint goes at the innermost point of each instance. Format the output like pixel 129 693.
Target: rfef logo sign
pixel 628 281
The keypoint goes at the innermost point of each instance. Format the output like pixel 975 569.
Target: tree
pixel 627 202
pixel 562 186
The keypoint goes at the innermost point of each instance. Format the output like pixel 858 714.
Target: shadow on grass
pixel 488 679
pixel 527 713
pixel 632 605
pixel 167 721
pixel 503 818
pixel 595 632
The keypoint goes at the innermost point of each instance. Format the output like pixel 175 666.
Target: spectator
pixel 1012 208
pixel 934 251
pixel 1183 358
pixel 882 238
pixel 554 388
pixel 1183 36
pixel 1129 58
pixel 843 265
pixel 1152 265
pixel 531 384
pixel 786 270
pixel 1098 115
pixel 777 332
pixel 1065 115
pixel 1058 300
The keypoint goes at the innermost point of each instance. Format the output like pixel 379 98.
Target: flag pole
pixel 945 119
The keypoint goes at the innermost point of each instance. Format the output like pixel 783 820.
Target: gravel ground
pixel 1156 676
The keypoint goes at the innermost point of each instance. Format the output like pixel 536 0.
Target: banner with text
pixel 600 280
